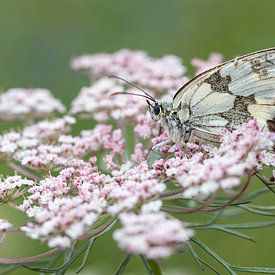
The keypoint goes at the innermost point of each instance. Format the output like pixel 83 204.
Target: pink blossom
pixel 136 66
pixel 146 127
pixel 49 131
pixel 150 233
pixel 213 60
pixel 67 217
pixel 19 103
pixel 10 187
pixel 133 185
pixel 239 154
pixel 4 225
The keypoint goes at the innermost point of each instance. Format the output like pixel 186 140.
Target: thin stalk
pixel 234 198
pixel 23 171
pixel 102 229
pixel 182 210
pixel 31 258
pixel 172 193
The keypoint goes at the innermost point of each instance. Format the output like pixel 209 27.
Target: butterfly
pixel 224 96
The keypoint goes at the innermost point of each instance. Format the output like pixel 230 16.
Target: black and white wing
pixel 230 94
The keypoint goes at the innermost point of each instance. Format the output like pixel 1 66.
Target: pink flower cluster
pixel 48 131
pixel 82 188
pixel 63 207
pixel 214 59
pixel 4 225
pixel 203 171
pixel 136 66
pixel 18 145
pixel 158 75
pixel 21 104
pixel 96 102
pixel 47 156
pixel 151 232
pixel 100 173
pixel 12 187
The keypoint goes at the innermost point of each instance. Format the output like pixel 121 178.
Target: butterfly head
pixel 156 109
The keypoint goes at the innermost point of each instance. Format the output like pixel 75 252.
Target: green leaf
pixel 256 211
pixel 214 255
pixel 216 216
pixel 232 232
pixel 8 269
pixel 74 257
pixel 52 262
pixel 263 207
pixel 269 184
pixel 232 212
pixel 267 270
pixel 231 268
pixel 253 225
pixel 194 255
pixel 229 228
pixel 86 256
pixel 208 265
pixel 123 265
pixel 40 269
pixel 65 265
pixel 155 267
pixel 146 265
pixel 254 195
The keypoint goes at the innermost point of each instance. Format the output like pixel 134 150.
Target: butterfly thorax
pixel 170 121
pixel 178 132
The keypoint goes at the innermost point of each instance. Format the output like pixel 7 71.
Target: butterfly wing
pixel 229 94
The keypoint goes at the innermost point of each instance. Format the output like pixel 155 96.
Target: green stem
pixel 214 255
pixel 123 265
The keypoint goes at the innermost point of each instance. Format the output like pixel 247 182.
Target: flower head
pixel 19 103
pixel 151 233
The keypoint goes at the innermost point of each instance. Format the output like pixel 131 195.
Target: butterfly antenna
pixel 133 85
pixel 128 93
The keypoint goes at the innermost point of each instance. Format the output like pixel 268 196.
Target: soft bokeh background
pixel 38 39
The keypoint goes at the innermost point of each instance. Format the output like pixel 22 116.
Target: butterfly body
pixel 178 131
pixel 222 97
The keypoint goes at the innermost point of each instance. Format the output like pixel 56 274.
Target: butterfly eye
pixel 156 109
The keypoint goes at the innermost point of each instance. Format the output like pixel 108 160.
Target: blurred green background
pixel 39 37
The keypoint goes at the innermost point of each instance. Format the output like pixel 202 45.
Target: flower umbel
pixel 73 186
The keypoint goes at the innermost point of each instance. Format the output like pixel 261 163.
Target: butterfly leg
pixel 156 147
